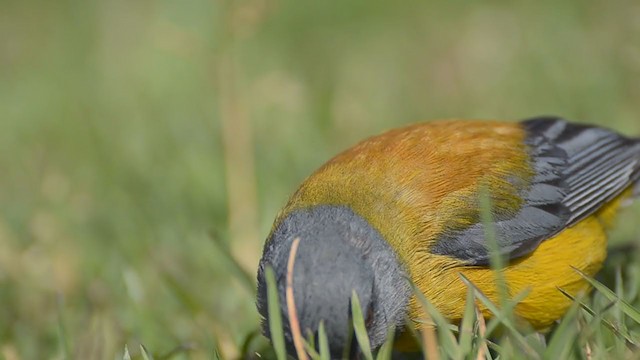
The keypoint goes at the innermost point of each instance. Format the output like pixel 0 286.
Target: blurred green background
pixel 140 139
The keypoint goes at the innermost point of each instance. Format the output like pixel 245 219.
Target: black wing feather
pixel 578 169
pixel 600 163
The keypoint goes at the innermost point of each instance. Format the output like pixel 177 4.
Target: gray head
pixel 339 252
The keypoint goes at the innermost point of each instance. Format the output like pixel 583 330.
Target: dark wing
pixel 578 168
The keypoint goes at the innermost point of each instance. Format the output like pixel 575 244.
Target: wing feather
pixel 578 168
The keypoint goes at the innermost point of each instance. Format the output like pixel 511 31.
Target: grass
pixel 580 334
pixel 132 131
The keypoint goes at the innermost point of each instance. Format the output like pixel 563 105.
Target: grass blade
pixel 275 317
pixel 323 343
pixel 248 280
pixel 126 355
pixel 626 308
pixel 506 320
pixel 62 331
pixel 245 348
pixel 598 317
pixel 311 351
pixel 145 354
pixel 447 339
pixel 359 327
pixel 386 350
pixel 564 335
pixel 619 315
pixel 216 354
pixel 496 258
pixel 465 338
pixel 509 306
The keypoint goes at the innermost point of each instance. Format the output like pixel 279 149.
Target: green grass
pixel 146 147
pixel 578 335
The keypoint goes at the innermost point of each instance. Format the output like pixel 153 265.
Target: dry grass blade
pixel 298 342
pixel 483 349
pixel 429 340
pixel 447 340
pixel 587 351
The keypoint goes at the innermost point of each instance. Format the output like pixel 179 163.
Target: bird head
pixel 338 253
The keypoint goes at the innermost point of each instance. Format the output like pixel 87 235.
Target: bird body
pixel 554 189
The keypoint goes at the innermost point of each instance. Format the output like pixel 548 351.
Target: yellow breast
pixel 549 267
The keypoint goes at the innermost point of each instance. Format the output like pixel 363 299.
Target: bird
pixel 402 211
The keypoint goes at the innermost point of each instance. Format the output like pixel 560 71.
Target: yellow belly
pixel 549 267
pixel 583 247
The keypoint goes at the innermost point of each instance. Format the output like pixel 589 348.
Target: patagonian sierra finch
pixel 406 205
